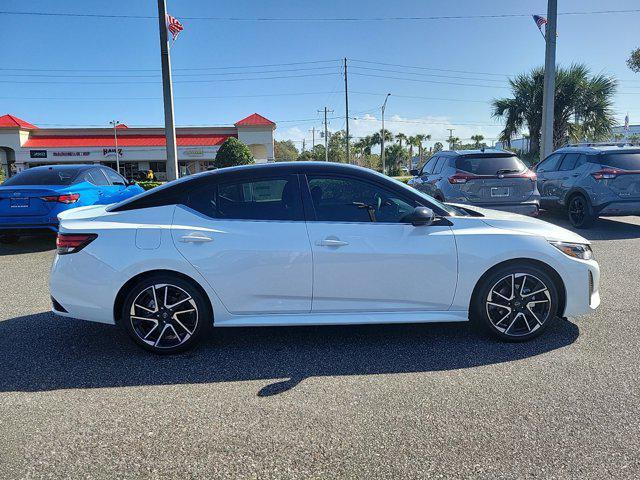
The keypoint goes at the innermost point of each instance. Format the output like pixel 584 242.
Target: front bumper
pixel 582 287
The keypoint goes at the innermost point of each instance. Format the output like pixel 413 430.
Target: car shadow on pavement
pixel 44 352
pixel 611 228
pixel 29 245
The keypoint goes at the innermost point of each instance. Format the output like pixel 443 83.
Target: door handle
pixel 195 238
pixel 331 242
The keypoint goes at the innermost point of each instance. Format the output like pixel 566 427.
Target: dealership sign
pixel 38 153
pixel 111 152
pixel 194 152
pixel 71 154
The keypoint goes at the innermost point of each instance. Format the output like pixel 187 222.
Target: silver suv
pixel 588 181
pixel 488 178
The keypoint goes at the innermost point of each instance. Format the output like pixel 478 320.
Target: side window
pixel 428 167
pixel 97 177
pixel 113 177
pixel 569 162
pixel 582 159
pixel 276 198
pixel 345 199
pixel 440 164
pixel 550 164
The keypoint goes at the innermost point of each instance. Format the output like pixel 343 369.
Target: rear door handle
pixel 331 242
pixel 195 238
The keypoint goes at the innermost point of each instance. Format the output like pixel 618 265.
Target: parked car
pixel 311 243
pixel 490 178
pixel 588 181
pixel 31 200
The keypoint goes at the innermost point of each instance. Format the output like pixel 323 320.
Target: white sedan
pixel 309 243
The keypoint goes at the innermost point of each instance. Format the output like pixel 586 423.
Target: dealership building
pixel 24 145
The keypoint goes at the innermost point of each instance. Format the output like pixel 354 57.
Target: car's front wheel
pixel 516 302
pixel 165 314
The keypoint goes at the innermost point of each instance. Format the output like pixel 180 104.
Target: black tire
pixel 494 289
pixel 164 330
pixel 579 211
pixel 9 239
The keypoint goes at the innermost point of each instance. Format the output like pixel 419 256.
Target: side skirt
pixel 349 318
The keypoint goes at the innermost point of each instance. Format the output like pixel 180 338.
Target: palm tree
pixel 453 141
pixel 585 99
pixel 421 138
pixel 401 137
pixel 477 139
pixel 634 139
pixel 618 137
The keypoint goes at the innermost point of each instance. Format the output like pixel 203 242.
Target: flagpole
pixel 549 87
pixel 167 94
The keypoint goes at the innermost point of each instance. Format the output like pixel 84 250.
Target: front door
pixel 368 258
pixel 247 237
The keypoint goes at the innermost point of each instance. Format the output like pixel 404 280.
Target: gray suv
pixel 588 181
pixel 488 178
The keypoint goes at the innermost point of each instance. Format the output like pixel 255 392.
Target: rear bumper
pixel 27 228
pixel 622 207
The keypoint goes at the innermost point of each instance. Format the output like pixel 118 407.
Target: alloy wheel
pixel 518 304
pixel 164 316
pixel 577 210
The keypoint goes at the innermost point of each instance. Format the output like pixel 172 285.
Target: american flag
pixel 540 21
pixel 174 26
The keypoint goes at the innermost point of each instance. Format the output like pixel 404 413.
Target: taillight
pixel 66 198
pixel 461 177
pixel 606 174
pixel 530 174
pixel 73 242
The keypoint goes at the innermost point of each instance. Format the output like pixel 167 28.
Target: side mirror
pixel 422 216
pixel 414 172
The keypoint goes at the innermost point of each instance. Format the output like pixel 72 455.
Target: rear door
pixel 494 179
pixel 247 237
pixel 368 258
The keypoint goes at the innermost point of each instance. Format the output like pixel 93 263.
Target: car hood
pixel 524 224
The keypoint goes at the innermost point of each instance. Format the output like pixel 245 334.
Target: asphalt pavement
pixel 79 400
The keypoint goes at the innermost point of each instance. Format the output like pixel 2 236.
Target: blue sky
pixel 58 56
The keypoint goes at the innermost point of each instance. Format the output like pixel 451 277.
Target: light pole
pixel 115 124
pixel 384 105
pixel 549 87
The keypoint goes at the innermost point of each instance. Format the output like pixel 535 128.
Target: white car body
pixel 259 273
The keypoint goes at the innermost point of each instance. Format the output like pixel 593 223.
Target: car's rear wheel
pixel 579 211
pixel 8 239
pixel 516 302
pixel 165 314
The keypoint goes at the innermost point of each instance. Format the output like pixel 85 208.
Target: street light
pixel 115 124
pixel 384 105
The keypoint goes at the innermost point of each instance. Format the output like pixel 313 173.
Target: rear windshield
pixel 62 176
pixel 623 161
pixel 487 165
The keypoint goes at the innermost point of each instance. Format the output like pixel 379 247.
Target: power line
pixel 426 81
pixel 429 68
pixel 315 19
pixel 427 74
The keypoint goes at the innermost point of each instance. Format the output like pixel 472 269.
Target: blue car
pixel 31 200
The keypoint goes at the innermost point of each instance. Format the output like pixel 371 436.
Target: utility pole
pixel 115 124
pixel 313 138
pixel 303 144
pixel 326 134
pixel 167 93
pixel 548 95
pixel 346 108
pixel 450 137
pixel 384 165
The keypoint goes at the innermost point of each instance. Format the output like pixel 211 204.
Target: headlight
pixel 576 250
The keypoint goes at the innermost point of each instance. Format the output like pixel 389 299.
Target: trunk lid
pixel 624 167
pixel 493 189
pixel 626 184
pixel 22 201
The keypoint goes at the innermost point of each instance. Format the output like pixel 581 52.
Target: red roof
pixel 207 140
pixel 9 121
pixel 121 125
pixel 254 120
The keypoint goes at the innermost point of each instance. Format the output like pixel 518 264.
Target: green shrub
pixel 149 185
pixel 403 179
pixel 233 152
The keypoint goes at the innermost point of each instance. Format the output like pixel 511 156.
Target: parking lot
pixel 80 400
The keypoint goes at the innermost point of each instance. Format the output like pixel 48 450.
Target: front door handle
pixel 331 242
pixel 195 238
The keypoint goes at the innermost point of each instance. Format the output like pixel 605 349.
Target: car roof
pixel 605 148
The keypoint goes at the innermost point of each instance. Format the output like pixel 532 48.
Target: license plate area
pixel 499 191
pixel 19 203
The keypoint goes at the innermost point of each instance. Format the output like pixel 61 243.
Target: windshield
pixel 45 176
pixel 490 165
pixel 623 161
